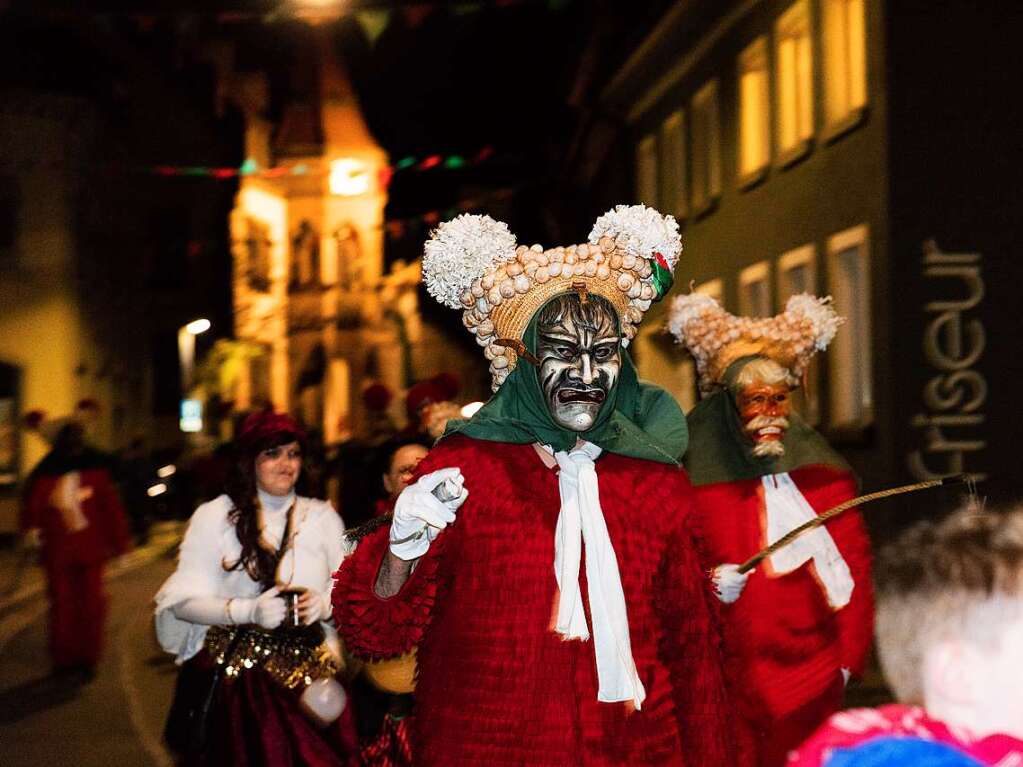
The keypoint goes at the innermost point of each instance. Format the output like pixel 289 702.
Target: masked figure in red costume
pixel 800 624
pixel 71 504
pixel 542 559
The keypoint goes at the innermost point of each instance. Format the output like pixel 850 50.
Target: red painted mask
pixel 764 410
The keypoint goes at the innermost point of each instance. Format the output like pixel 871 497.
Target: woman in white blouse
pixel 225 606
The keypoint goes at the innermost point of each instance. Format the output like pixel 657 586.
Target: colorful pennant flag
pixel 373 22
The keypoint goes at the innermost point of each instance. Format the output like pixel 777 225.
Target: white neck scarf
pixel 67 496
pixel 273 515
pixel 787 509
pixel 582 520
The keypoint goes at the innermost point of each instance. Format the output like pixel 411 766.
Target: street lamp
pixel 189 420
pixel 195 327
pixel 318 11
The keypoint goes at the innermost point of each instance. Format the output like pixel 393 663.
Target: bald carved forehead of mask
pixel 579 349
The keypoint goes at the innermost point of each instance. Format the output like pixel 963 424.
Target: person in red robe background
pixel 800 624
pixel 571 455
pixel 72 507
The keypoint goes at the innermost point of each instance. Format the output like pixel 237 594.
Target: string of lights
pixel 251 168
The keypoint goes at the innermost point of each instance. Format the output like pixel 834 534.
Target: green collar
pixel 638 419
pixel 720 450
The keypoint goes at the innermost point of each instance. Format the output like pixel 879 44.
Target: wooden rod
pixel 786 539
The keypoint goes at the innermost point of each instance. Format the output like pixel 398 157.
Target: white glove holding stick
pixel 729 582
pixel 424 509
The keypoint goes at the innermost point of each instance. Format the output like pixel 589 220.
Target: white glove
pixel 419 514
pixel 267 610
pixel 729 582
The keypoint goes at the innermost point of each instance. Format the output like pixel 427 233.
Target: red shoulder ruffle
pixel 375 628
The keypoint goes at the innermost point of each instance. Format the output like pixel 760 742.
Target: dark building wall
pixel 841 183
pixel 955 117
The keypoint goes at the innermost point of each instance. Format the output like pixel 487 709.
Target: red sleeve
pixel 117 533
pixel 376 628
pixel 691 646
pixel 856 619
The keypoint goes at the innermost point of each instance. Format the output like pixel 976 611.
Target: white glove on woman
pixel 729 582
pixel 419 514
pixel 267 610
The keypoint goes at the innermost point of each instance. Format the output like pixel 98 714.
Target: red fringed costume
pixel 74 558
pixel 497 685
pixel 785 645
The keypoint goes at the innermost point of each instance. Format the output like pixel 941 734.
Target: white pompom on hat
pixel 472 262
pixel 716 338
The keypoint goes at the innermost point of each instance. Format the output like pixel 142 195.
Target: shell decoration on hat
pixel 473 263
pixel 716 338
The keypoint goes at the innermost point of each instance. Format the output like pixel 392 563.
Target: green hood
pixel 720 450
pixel 637 419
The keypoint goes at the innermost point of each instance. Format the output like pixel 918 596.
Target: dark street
pixel 117 718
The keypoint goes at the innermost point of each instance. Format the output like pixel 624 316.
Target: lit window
pixel 673 166
pixel 754 109
pixel 646 171
pixel 849 357
pixel 714 288
pixel 797 273
pixel 755 290
pixel 706 146
pixel 663 362
pixel 794 77
pixel 845 58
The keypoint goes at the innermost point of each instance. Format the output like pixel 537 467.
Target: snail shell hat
pixel 473 263
pixel 716 338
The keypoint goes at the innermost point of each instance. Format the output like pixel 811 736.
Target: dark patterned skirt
pixel 257 721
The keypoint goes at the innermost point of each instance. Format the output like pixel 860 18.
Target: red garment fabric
pixel 73 562
pixel 785 645
pixel 78 611
pixel 106 535
pixel 255 722
pixel 858 726
pixel 392 748
pixel 497 685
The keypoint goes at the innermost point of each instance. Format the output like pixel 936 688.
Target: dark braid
pixel 257 559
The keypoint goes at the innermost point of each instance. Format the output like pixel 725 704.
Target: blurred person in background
pixel 798 626
pixel 351 469
pixel 225 603
pixel 136 473
pixel 950 640
pixel 71 509
pixel 384 704
pixel 379 426
pixel 397 462
pixel 443 387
